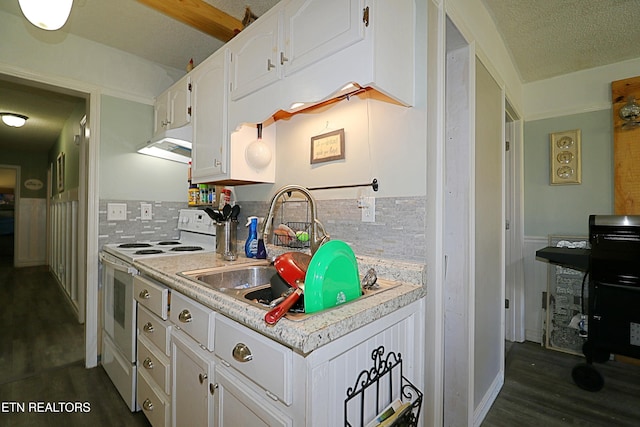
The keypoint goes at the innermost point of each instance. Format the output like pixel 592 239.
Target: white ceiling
pixel 548 38
pixel 545 38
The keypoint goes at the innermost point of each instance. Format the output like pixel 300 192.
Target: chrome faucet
pixel 315 238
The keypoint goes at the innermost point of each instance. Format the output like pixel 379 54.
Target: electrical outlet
pixel 145 211
pixel 368 209
pixel 116 211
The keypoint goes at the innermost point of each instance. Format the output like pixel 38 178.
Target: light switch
pixel 116 211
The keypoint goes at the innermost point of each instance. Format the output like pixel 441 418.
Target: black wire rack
pixel 384 382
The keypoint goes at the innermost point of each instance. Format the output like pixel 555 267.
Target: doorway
pixel 71 156
pixel 9 196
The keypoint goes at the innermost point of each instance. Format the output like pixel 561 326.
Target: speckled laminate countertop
pixel 403 279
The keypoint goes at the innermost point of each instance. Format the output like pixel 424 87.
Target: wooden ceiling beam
pixel 200 15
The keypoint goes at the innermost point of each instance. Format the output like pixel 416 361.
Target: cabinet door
pixel 161 113
pixel 238 404
pixel 315 29
pixel 209 83
pixel 192 401
pixel 255 56
pixel 180 103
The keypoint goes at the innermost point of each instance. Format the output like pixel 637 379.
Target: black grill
pixel 613 299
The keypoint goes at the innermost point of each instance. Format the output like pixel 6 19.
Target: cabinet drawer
pixel 193 318
pixel 152 295
pixel 156 330
pixel 263 361
pixel 155 405
pixel 154 363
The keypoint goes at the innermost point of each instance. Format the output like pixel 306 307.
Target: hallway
pixel 43 381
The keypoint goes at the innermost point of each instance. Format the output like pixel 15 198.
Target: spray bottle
pixel 251 245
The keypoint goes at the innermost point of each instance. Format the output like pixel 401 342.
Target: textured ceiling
pixel 548 38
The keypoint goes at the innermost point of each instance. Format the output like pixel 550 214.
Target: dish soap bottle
pixel 251 245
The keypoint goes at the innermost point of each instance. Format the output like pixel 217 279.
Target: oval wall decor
pixel 33 184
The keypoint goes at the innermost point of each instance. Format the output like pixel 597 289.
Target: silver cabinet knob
pixel 270 65
pixel 147 363
pixel 147 405
pixel 148 327
pixel 213 388
pixel 242 353
pixel 283 58
pixel 185 316
pixel 144 294
pixel 202 378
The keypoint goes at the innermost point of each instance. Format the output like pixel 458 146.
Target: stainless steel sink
pixel 232 281
pixel 251 284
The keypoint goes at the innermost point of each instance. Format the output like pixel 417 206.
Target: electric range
pixel 118 358
pixel 197 234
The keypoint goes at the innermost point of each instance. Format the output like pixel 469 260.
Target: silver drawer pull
pixel 147 405
pixel 270 65
pixel 148 327
pixel 242 353
pixel 185 316
pixel 144 294
pixel 283 58
pixel 213 388
pixel 202 378
pixel 147 363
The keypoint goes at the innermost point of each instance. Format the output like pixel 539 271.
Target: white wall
pixel 382 140
pixel 126 174
pixel 56 54
pixel 476 25
pixel 580 92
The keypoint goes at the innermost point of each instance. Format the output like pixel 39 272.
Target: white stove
pixel 197 234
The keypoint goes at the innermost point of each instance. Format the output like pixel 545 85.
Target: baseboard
pixel 487 401
pixel 29 262
pixel 533 335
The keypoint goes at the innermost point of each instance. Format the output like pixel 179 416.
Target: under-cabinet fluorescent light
pixel 169 149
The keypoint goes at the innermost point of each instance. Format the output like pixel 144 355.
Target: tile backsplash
pixel 397 233
pixel 162 226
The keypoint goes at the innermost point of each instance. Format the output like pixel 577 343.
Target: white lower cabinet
pixel 192 392
pixel 153 361
pixel 248 379
pixel 238 403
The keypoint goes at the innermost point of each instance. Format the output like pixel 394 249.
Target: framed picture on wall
pixel 60 172
pixel 327 147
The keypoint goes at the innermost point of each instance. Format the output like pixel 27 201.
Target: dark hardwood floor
pixel 43 381
pixel 539 391
pixel 42 350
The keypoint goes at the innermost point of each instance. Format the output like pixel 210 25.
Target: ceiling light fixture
pixel 46 14
pixel 13 120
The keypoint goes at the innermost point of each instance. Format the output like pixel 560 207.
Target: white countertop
pixel 306 335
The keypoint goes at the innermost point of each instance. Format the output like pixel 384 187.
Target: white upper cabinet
pixel 255 56
pixel 314 29
pixel 323 46
pixel 220 154
pixel 172 108
pixel 209 82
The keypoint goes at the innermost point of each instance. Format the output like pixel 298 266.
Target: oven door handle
pixel 117 266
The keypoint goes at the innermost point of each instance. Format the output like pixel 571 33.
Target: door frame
pixel 87 201
pixel 514 237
